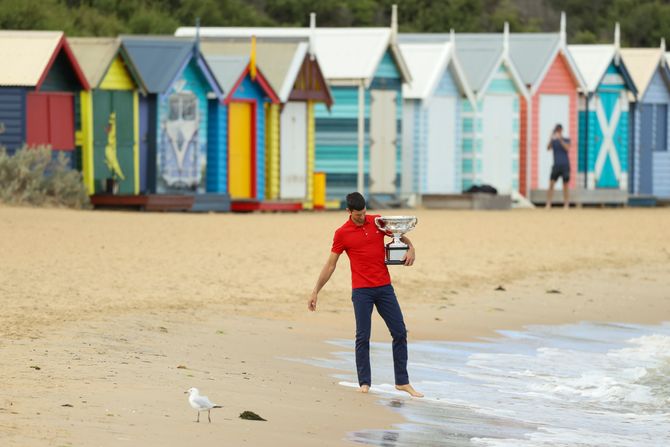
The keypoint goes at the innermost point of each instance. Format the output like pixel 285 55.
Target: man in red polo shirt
pixel 371 286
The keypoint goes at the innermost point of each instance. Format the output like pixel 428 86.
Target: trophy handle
pixel 380 226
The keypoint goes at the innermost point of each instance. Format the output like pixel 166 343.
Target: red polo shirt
pixel 365 247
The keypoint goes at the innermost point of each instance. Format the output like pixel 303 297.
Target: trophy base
pixel 395 254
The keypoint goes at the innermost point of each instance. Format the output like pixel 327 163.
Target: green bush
pixel 33 177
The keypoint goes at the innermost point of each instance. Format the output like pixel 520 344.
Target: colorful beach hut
pixel 432 118
pixel 491 130
pixel 174 116
pixel 293 72
pixel 39 80
pixel 603 116
pixel 237 150
pixel 649 165
pixel 358 140
pixel 553 82
pixel 109 116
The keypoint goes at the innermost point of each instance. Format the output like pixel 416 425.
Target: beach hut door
pixel 498 142
pixel 240 148
pixel 441 158
pixel 554 109
pixel 383 142
pixel 293 158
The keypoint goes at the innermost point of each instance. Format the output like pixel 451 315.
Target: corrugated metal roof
pixel 25 55
pixel 343 53
pixel 227 69
pixel 427 62
pixel 531 53
pixel 279 61
pixel 641 64
pixel 94 55
pixel 592 62
pixel 158 58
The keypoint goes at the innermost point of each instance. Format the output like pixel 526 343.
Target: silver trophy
pixel 396 226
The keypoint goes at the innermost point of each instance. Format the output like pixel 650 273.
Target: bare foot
pixel 408 389
pixel 364 388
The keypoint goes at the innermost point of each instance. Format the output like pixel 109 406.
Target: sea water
pixel 580 385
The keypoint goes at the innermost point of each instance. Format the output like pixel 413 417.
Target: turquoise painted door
pixel 612 140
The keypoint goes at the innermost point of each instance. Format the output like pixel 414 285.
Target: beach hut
pixel 358 140
pixel 238 153
pixel 109 116
pixel 293 72
pixel 553 82
pixel 649 168
pixel 431 118
pixel 603 116
pixel 174 116
pixel 38 83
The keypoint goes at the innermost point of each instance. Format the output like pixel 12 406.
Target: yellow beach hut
pixel 109 135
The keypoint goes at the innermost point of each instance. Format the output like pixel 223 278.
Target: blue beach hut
pixel 174 116
pixel 432 106
pixel 603 116
pixel 649 165
pixel 238 148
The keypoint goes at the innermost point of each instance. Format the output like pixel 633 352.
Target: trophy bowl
pixel 396 226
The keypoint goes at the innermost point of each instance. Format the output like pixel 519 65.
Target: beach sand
pixel 108 317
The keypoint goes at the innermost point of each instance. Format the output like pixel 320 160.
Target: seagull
pixel 200 403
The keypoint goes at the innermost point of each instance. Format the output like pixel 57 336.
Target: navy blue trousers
pixel 364 299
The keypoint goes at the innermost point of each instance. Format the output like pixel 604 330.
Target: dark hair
pixel 355 201
pixel 558 127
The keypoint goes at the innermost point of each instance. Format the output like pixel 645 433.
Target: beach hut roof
pixel 427 62
pixel 160 59
pixel 532 53
pixel 230 70
pixel 345 54
pixel 96 54
pixel 642 64
pixel 479 55
pixel 29 55
pixel 593 61
pixel 279 60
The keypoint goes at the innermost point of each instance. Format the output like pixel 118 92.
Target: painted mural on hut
pixel 182 139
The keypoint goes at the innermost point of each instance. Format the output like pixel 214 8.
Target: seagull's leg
pixel 198 420
pixel 209 417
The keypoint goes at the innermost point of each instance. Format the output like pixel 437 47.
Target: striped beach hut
pixel 174 116
pixel 237 149
pixel 358 140
pixel 109 115
pixel 603 116
pixel 432 117
pixel 39 80
pixel 294 74
pixel 553 82
pixel 649 165
pixel 491 130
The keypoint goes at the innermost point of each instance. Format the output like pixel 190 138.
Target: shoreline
pixel 108 306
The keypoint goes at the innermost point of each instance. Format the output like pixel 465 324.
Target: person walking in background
pixel 371 287
pixel 561 167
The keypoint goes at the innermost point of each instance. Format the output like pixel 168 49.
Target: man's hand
pixel 311 303
pixel 410 256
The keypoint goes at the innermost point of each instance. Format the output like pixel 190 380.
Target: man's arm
pixel 324 276
pixel 566 145
pixel 410 256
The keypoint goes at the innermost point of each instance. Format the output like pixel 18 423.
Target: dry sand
pixel 122 312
